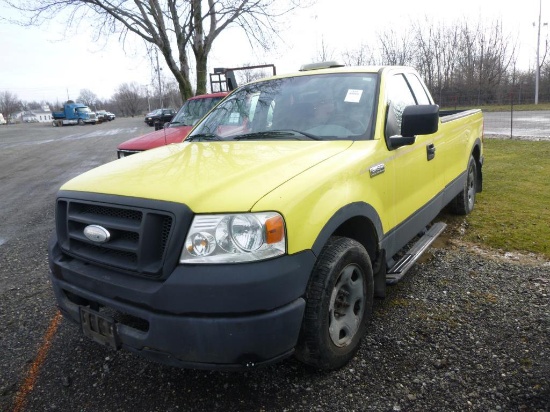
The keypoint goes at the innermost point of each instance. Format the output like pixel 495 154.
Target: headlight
pixel 232 238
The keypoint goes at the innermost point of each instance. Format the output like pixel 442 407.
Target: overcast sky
pixel 41 64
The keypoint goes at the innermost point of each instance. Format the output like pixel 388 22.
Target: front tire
pixel 81 122
pixel 463 203
pixel 339 301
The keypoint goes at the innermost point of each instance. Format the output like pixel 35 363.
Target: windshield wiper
pixel 201 137
pixel 277 134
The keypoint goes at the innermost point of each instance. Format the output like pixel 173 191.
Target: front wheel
pixel 81 122
pixel 463 203
pixel 339 302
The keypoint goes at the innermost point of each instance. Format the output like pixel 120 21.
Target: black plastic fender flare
pixel 356 209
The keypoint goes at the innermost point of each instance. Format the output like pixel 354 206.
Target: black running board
pixel 397 271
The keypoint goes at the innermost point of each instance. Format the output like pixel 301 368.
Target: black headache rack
pixel 144 236
pixel 223 79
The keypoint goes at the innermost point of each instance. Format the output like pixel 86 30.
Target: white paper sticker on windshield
pixel 234 118
pixel 353 96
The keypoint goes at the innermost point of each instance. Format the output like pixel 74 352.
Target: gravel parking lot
pixel 466 330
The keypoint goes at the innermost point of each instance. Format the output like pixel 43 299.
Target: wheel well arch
pixel 476 153
pixel 358 221
pixel 361 229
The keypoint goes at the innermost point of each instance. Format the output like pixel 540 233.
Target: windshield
pixel 320 107
pixel 83 110
pixel 193 110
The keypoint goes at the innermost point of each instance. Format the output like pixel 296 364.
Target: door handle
pixel 430 151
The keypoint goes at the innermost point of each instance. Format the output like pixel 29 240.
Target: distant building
pixel 42 115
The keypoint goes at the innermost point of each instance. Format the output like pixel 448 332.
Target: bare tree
pixel 9 104
pixel 362 56
pixel 175 27
pixel 395 49
pixel 128 99
pixel 171 95
pixel 324 52
pixel 248 75
pixel 460 62
pixel 87 97
pixel 496 59
pixel 436 56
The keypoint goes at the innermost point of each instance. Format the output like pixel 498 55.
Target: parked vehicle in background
pixel 105 116
pixel 158 117
pixel 74 113
pixel 2 120
pixel 270 230
pixel 192 111
pixel 101 116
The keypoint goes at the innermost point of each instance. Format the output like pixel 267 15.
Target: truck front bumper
pixel 205 317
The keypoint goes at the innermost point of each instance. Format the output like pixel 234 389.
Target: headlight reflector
pixel 231 238
pixel 246 232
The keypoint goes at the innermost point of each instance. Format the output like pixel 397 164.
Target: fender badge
pixel 97 233
pixel 377 169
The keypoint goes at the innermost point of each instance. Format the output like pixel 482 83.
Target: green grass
pixel 513 211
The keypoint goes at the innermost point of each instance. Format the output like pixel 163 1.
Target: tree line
pixel 128 100
pixel 463 63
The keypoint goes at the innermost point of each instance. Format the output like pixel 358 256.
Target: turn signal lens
pixel 274 229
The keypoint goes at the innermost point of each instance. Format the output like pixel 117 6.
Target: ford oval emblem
pixel 97 233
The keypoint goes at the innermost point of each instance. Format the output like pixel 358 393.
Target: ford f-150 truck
pixel 192 110
pixel 270 230
pixel 74 113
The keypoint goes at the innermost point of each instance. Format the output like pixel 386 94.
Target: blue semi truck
pixel 74 113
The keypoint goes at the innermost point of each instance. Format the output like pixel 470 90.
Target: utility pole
pixel 537 69
pixel 158 74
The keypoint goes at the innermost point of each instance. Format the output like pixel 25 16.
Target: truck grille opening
pixel 138 237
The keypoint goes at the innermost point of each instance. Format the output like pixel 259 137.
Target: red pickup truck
pixel 192 111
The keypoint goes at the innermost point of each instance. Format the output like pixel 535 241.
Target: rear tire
pixel 463 203
pixel 339 301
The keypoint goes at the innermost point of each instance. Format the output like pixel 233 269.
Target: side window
pixel 419 90
pixel 399 96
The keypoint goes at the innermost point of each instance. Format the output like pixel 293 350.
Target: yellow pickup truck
pixel 269 231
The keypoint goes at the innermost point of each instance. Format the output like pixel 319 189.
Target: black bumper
pixel 201 316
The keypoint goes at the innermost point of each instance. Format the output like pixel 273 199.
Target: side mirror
pixel 420 119
pixel 416 119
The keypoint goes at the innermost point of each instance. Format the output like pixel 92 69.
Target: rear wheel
pixel 339 302
pixel 464 202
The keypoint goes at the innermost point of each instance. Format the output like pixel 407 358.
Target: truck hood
pixel 208 177
pixel 156 139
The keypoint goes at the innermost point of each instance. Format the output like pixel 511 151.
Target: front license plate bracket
pixel 100 328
